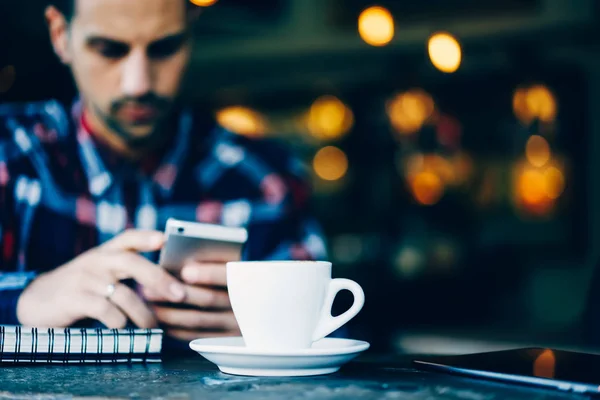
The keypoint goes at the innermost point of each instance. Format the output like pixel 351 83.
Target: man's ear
pixel 58 28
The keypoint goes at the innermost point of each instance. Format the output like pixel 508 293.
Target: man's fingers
pixel 204 297
pixel 133 307
pixel 125 265
pixel 189 335
pixel 101 309
pixel 136 240
pixel 195 319
pixel 150 295
pixel 205 274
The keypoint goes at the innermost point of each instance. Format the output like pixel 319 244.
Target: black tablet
pixel 558 369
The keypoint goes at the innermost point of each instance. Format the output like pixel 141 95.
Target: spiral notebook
pixel 21 345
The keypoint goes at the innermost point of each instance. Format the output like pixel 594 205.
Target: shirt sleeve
pixel 11 288
pixel 12 282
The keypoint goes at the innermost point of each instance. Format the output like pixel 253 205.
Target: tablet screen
pixel 539 363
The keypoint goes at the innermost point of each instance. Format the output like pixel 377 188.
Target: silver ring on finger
pixel 110 290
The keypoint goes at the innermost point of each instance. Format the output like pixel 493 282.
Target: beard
pixel 137 135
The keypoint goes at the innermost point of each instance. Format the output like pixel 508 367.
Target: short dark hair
pixel 67 7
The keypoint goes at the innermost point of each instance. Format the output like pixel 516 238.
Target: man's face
pixel 128 58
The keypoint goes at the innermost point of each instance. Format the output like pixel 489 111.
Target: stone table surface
pixel 369 377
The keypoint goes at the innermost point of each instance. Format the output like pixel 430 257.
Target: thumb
pixel 136 240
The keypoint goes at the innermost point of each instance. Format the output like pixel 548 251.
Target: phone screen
pixel 532 362
pixel 181 249
pixel 193 241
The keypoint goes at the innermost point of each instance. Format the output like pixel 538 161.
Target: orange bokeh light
pixel 555 182
pixel 534 102
pixel 544 365
pixel 330 163
pixel 532 187
pixel 537 189
pixel 427 188
pixel 242 120
pixel 203 3
pixel 329 118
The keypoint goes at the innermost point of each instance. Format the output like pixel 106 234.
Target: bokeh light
pixel 441 166
pixel 242 120
pixel 411 164
pixel 330 163
pixel 535 102
pixel 544 365
pixel 409 262
pixel 555 182
pixel 532 187
pixel 453 171
pixel 428 176
pixel 376 26
pixel 542 103
pixel 7 78
pixel 427 188
pixel 445 52
pixel 203 3
pixel 329 118
pixel 537 151
pixel 537 189
pixel 408 111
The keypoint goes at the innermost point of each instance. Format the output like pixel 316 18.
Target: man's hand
pixel 79 289
pixel 208 312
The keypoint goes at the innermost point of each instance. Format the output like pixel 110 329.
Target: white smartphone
pixel 188 241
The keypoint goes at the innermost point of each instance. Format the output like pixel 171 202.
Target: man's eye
pixel 111 50
pixel 165 48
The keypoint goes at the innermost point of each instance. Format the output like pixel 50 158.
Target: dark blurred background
pixel 452 146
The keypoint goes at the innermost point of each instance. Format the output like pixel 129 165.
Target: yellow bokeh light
pixel 408 111
pixel 203 3
pixel 445 52
pixel 376 26
pixel 555 182
pixel 242 120
pixel 534 102
pixel 537 151
pixel 427 188
pixel 330 163
pixel 329 118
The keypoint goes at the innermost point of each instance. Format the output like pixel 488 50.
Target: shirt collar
pixel 99 162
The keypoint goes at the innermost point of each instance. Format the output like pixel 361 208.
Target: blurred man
pixel 85 191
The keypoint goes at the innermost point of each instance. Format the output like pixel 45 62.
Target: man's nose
pixel 136 79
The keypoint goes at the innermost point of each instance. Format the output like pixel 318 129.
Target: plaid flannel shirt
pixel 62 192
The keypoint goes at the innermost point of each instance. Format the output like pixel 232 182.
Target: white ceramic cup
pixel 283 305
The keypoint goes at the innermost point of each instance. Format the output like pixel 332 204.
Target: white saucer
pixel 233 357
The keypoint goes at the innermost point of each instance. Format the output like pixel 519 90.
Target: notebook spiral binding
pixel 24 345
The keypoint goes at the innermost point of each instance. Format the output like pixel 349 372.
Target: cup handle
pixel 327 322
